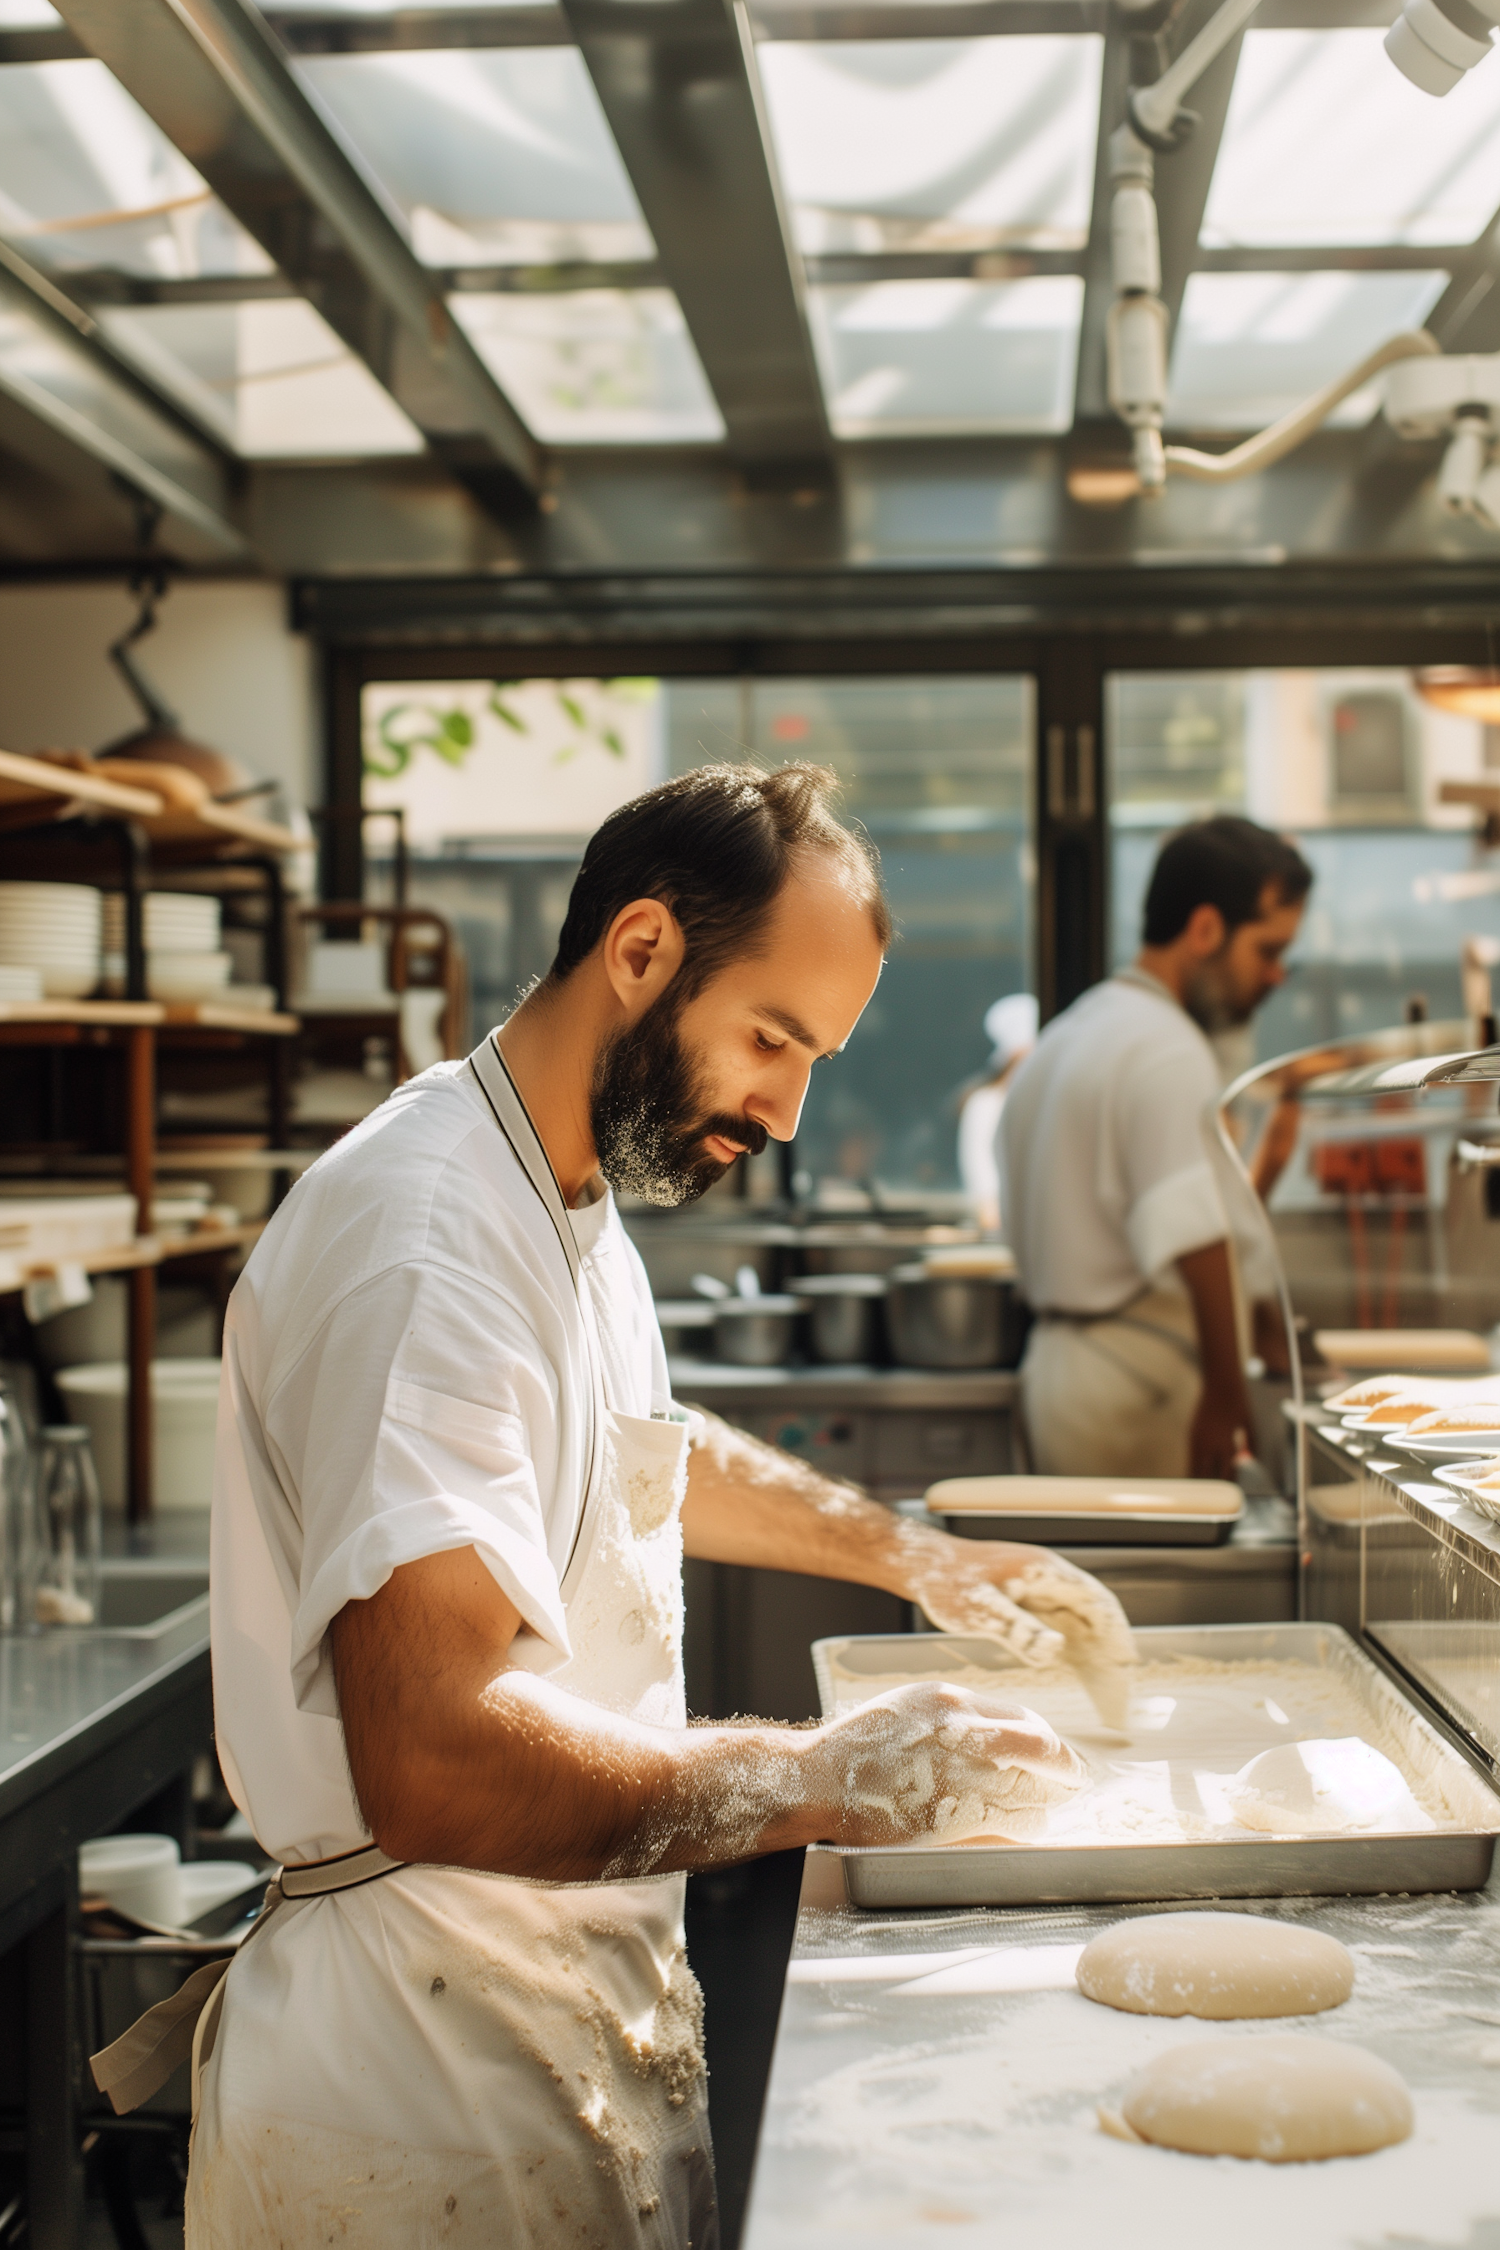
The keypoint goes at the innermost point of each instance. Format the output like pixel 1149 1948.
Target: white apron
pixel 439 2056
pixel 1113 1396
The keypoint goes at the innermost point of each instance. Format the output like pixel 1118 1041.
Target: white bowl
pixel 141 1875
pixel 171 921
pixel 184 1408
pixel 68 983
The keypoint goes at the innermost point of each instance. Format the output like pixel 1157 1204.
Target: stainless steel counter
pixel 715 1384
pixel 94 1727
pixel 936 2075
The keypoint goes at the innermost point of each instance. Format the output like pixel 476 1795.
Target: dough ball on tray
pixel 1220 1966
pixel 1279 2098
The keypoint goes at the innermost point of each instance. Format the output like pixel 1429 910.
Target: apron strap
pixel 139 2063
pixel 514 1120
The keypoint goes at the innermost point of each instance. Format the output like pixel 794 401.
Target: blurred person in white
pixel 1010 1027
pixel 452 1498
pixel 1134 1244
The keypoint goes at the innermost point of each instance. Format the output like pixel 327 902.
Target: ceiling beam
pixel 1184 177
pixel 107 285
pixel 73 391
pixel 680 88
pixel 541 23
pixel 210 75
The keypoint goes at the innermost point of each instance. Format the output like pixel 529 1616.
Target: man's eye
pixel 767 1046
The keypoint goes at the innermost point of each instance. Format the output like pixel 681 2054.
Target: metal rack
pixel 1370 1163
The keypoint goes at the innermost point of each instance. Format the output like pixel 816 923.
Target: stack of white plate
pixel 18 986
pixel 183 958
pixel 52 928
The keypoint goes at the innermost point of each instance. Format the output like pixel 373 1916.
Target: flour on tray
pixel 1194 1723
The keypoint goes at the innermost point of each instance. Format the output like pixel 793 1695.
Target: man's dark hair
pixel 715 845
pixel 1226 862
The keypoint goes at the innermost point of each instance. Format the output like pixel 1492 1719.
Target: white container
pixel 141 1875
pixel 19 986
pixel 48 1228
pixel 53 927
pixel 185 1401
pixel 174 921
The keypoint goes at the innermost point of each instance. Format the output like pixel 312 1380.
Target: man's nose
pixel 779 1108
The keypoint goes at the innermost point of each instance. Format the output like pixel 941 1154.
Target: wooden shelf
pixel 35 789
pixel 129 1257
pixel 218 828
pixel 132 1013
pixel 216 1015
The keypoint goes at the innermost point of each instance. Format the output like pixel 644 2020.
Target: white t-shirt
pixel 1106 1175
pixel 405 1372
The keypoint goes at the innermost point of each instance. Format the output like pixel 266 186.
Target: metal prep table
pixel 935 2080
pixel 95 1728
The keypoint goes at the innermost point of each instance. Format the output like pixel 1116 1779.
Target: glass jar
pixel 17 1513
pixel 68 1529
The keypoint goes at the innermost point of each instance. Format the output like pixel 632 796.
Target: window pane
pixel 939 771
pixel 271 379
pixel 933 143
pixel 1251 345
pixel 1326 143
pixel 1352 764
pixel 595 366
pixel 903 358
pixel 500 155
pixel 87 180
pixel 500 783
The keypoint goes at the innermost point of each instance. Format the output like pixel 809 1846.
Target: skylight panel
pixel 1326 144
pixel 495 156
pixel 890 144
pixel 86 179
pixel 1251 345
pixel 270 379
pixel 595 366
pixel 941 358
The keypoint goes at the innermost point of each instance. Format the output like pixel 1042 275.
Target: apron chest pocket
pixel 650 1460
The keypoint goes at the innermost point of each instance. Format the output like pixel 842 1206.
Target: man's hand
pixel 1216 1439
pixel 936 1764
pixel 1040 1608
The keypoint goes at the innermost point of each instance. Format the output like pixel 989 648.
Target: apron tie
pixel 139 2063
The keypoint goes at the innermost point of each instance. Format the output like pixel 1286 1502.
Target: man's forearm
pixel 461 1758
pixel 750 1503
pixel 1223 1415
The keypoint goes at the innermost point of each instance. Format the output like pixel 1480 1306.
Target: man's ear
pixel 1206 931
pixel 642 952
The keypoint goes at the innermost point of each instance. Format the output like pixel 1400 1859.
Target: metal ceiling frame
pixel 681 92
pixel 211 76
pixel 67 387
pixel 680 89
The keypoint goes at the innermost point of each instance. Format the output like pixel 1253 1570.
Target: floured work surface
pixel 1155 1821
pixel 937 2076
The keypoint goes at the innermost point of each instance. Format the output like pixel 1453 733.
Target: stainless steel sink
pixel 146 1599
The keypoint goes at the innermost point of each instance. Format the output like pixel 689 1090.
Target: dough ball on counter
pixel 1323 1789
pixel 1284 2099
pixel 1220 1966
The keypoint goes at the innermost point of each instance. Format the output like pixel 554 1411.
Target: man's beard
pixel 1209 1001
pixel 649 1114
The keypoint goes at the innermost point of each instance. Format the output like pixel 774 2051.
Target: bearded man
pixel 1117 1204
pixel 449 1514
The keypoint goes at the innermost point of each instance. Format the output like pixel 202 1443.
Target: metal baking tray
pixel 1075 1530
pixel 1455 1857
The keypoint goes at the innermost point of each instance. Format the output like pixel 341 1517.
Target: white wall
pixel 221 656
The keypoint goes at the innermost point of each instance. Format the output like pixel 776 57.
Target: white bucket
pixel 185 1403
pixel 141 1875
